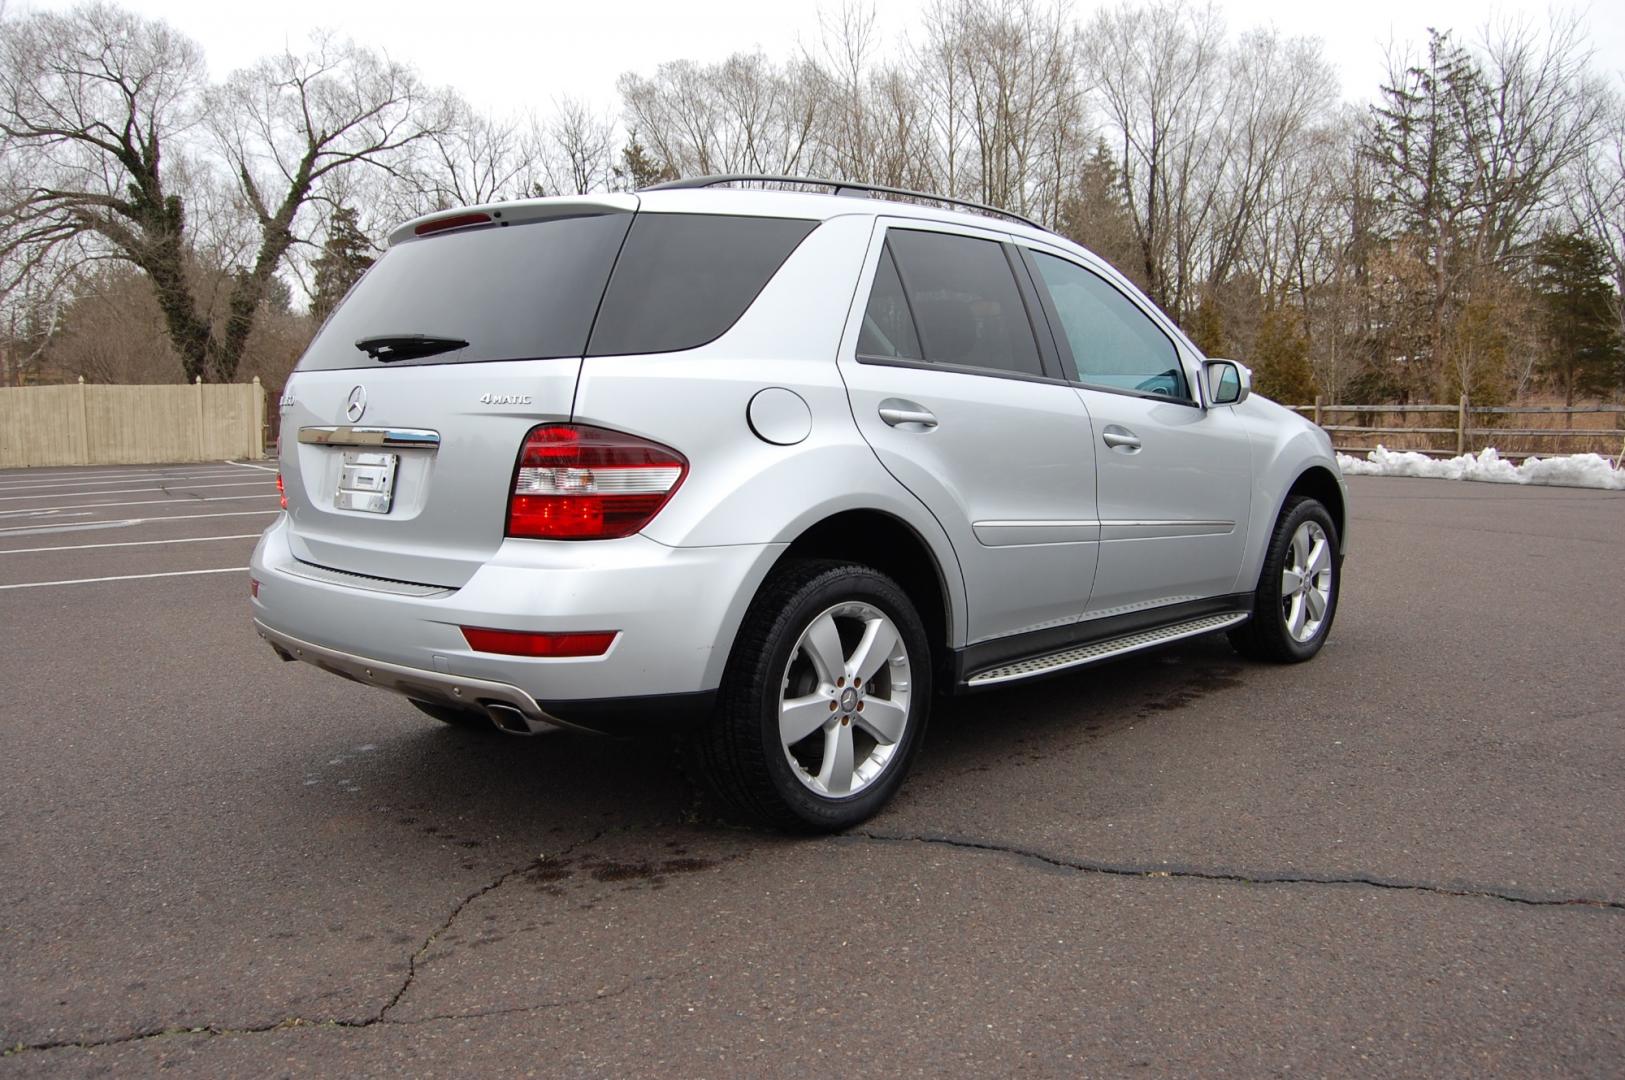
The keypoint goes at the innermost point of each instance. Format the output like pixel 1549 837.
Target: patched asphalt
pixel 1405 857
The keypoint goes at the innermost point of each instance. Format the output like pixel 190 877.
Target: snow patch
pixel 1576 470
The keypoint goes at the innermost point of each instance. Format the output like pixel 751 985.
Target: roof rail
pixel 841 187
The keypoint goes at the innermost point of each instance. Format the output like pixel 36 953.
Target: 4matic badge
pixel 505 399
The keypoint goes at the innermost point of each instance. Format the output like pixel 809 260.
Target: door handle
pixel 1120 439
pixel 899 413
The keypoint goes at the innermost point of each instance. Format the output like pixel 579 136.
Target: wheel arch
pixel 887 543
pixel 1320 483
pixel 892 546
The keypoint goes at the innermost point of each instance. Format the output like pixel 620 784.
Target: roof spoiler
pixel 516 212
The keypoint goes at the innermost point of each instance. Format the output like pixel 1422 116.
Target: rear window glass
pixel 684 279
pixel 527 291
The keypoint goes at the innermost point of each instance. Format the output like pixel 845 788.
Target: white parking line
pixel 121 523
pixel 131 491
pixel 42 511
pixel 35 485
pixel 119 474
pixel 124 577
pixel 128 543
pixel 246 465
pixel 154 502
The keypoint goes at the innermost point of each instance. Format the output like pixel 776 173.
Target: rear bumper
pixel 459 692
pixel 676 611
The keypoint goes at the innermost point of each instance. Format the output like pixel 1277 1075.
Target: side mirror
pixel 1228 383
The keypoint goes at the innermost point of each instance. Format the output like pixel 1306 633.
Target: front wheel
pixel 1298 588
pixel 825 699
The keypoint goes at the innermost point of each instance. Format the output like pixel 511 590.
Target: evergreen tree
pixel 1206 327
pixel 345 256
pixel 639 168
pixel 1584 354
pixel 1096 214
pixel 1422 142
pixel 1281 369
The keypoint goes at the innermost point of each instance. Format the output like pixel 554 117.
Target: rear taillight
pixel 575 482
pixel 281 495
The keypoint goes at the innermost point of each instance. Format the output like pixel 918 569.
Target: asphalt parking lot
pixel 1407 857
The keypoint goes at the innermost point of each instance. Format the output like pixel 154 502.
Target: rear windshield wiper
pixel 387 347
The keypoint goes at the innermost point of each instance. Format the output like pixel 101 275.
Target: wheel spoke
pixel 1317 604
pixel 823 645
pixel 1291 581
pixel 836 772
pixel 800 717
pixel 1300 549
pixel 1295 618
pixel 879 638
pixel 883 719
pixel 1320 558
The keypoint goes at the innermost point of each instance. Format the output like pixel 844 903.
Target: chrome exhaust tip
pixel 511 720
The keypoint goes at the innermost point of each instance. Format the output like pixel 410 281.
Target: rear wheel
pixel 825 699
pixel 461 718
pixel 1298 588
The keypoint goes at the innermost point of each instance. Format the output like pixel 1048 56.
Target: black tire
pixel 739 751
pixel 458 718
pixel 1266 635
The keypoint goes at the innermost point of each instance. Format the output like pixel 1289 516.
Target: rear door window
pixel 967 308
pixel 683 279
pixel 523 291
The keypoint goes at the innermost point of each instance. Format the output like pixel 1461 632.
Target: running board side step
pixel 1096 651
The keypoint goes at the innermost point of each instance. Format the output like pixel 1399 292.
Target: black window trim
pixel 1052 370
pixel 1058 334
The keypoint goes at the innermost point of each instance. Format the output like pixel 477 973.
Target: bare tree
pixel 742 115
pixel 1161 83
pixel 578 150
pixel 101 106
pixel 1006 98
pixel 468 157
pixel 283 126
pixel 1597 197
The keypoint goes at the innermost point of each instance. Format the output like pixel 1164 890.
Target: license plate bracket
pixel 367 481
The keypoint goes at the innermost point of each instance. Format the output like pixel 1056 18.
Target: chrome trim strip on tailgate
pixel 348 435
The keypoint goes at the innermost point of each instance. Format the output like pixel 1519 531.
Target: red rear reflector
pixel 575 482
pixel 456 221
pixel 254 587
pixel 521 643
pixel 282 495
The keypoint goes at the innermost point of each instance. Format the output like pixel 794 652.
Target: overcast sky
pixel 514 56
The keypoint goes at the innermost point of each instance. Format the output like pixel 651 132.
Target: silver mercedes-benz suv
pixel 776 466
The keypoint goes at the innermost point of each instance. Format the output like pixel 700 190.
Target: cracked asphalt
pixel 1406 857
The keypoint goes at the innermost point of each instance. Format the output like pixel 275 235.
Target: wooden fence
pixel 85 424
pixel 1465 428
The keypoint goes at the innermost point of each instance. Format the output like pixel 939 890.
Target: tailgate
pixel 402 424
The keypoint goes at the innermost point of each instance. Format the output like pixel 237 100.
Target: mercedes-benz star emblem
pixel 356 405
